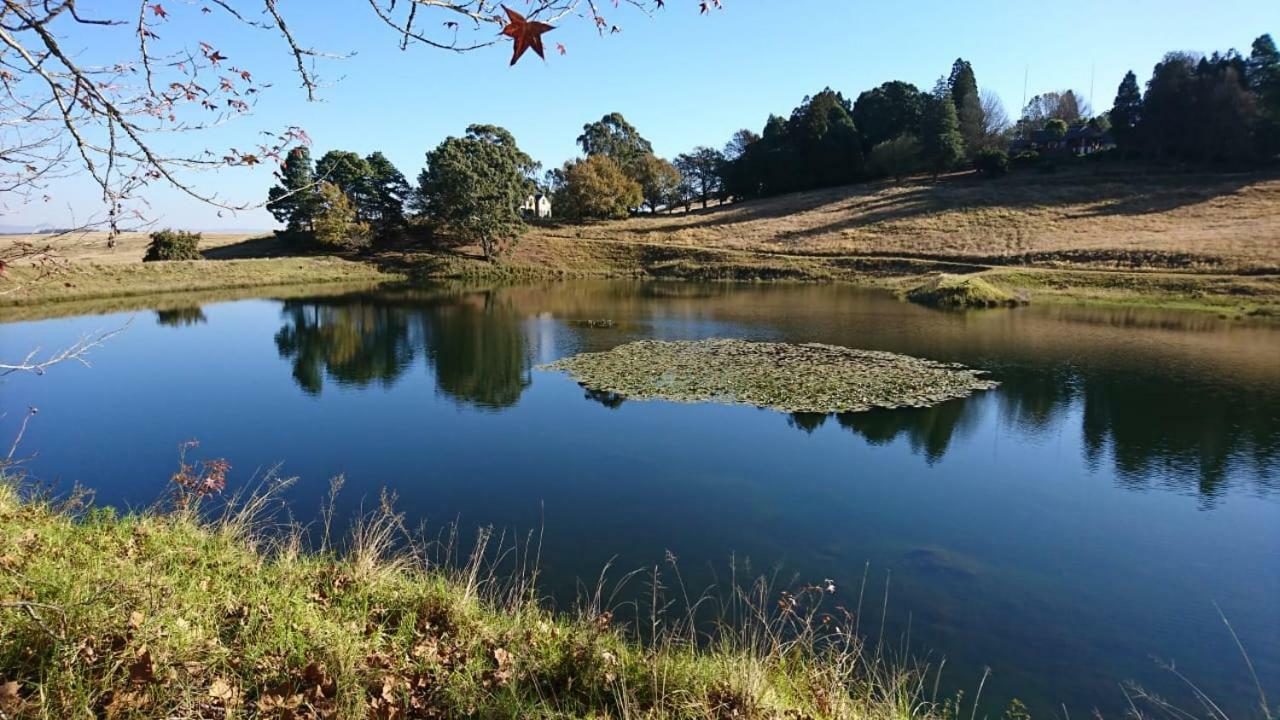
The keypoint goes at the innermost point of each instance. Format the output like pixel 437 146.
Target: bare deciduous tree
pixel 63 115
pixel 995 121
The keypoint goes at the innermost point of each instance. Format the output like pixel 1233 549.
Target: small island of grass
pixel 956 292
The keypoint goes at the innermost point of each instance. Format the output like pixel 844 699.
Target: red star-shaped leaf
pixel 524 33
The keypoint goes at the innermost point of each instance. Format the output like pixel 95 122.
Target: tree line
pixel 1219 109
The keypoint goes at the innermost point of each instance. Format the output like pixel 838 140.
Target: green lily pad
pixel 808 377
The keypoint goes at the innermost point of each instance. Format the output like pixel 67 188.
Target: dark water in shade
pixel 1064 529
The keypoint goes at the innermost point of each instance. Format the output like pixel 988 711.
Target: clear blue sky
pixel 681 78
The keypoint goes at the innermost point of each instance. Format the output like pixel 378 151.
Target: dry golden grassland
pixel 1211 223
pixel 1093 235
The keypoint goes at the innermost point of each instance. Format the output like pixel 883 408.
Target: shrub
pixel 173 245
pixel 1057 128
pixel 897 157
pixel 991 162
pixel 1026 159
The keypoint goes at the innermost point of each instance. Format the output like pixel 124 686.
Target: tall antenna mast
pixel 1026 73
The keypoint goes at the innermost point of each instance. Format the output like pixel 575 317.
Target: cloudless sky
pixel 681 78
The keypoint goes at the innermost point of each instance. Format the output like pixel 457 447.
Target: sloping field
pixel 1208 223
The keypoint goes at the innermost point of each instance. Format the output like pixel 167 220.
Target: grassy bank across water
pixel 88 284
pixel 1111 235
pixel 170 615
pixel 80 281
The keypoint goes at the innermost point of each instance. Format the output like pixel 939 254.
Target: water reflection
pixel 611 400
pixel 355 344
pixel 479 347
pixel 1163 437
pixel 1062 528
pixel 929 431
pixel 474 343
pixel 181 317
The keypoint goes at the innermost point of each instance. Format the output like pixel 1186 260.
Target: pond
pixel 1071 529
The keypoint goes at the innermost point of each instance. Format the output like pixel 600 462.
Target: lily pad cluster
pixel 808 377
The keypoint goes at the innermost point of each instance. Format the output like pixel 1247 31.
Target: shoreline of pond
pixel 87 284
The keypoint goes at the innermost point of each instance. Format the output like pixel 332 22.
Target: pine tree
pixel 1263 70
pixel 388 193
pixel 1126 112
pixel 963 85
pixel 294 201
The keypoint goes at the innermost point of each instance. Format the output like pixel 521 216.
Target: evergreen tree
pixel 614 137
pixel 1226 112
pixel 963 85
pixel 1264 80
pixel 825 141
pixel 888 112
pixel 742 165
pixel 294 201
pixel 352 175
pixel 942 142
pixel 388 193
pixel 474 186
pixel 1168 106
pixel 702 170
pixel 1264 68
pixel 1126 112
pixel 775 160
pixel 659 181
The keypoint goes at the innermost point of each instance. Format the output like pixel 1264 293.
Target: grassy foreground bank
pixel 166 615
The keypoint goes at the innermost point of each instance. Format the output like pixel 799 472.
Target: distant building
pixel 1081 139
pixel 537 206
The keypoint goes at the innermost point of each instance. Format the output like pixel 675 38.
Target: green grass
pixel 175 614
pixel 1227 295
pixel 960 291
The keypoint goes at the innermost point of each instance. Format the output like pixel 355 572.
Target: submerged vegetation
pixel 166 614
pixel 792 378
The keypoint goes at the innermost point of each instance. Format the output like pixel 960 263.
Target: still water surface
pixel 1067 529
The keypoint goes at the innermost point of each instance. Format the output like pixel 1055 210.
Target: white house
pixel 538 206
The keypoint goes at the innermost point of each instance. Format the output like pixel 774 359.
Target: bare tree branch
pixel 76 352
pixel 60 116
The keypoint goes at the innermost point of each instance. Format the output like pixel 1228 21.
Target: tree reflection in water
pixel 181 317
pixel 1188 435
pixel 474 343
